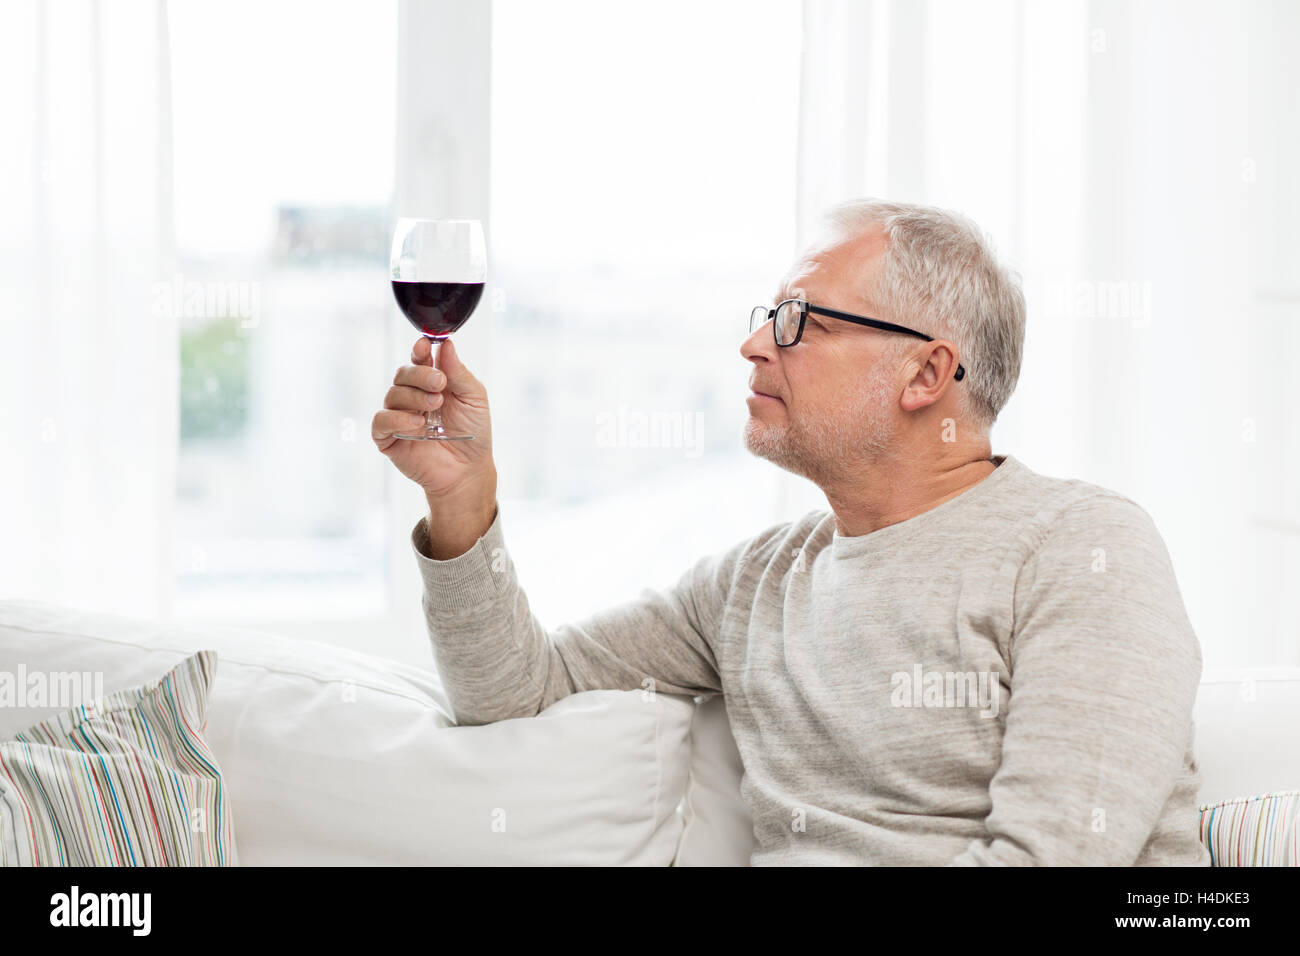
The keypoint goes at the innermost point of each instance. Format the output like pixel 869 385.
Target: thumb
pixel 460 380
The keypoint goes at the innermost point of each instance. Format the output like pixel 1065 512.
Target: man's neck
pixel 893 489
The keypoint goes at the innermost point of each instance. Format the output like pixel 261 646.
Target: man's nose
pixel 759 344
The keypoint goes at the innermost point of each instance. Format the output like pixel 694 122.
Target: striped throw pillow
pixel 1253 831
pixel 126 780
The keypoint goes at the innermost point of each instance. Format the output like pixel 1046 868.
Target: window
pixel 283 177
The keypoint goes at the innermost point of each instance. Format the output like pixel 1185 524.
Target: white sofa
pixel 337 757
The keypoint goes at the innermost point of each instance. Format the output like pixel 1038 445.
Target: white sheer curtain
pixel 88 354
pixel 1135 161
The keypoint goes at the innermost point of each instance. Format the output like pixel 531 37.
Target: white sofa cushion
pixel 1246 720
pixel 334 757
pixel 719 830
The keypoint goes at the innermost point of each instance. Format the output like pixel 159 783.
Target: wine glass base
pixel 430 436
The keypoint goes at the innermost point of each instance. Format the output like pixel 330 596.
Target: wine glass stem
pixel 433 417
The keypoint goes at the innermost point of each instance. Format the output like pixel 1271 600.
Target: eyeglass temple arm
pixel 880 324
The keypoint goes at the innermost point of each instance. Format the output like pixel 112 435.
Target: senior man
pixel 961 662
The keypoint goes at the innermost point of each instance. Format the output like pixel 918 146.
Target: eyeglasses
pixel 791 315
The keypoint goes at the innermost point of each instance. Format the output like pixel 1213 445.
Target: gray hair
pixel 940 276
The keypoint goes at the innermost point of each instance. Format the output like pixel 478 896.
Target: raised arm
pixel 497 661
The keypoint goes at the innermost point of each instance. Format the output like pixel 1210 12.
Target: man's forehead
pixel 839 263
pixel 797 287
pixel 804 279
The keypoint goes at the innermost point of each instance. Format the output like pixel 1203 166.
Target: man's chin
pixel 774 445
pixel 765 442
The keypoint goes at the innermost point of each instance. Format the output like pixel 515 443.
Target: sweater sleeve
pixel 497 661
pixel 1104 673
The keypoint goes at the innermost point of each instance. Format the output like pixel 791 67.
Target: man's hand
pixel 458 477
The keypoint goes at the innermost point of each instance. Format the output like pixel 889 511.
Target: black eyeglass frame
pixel 806 307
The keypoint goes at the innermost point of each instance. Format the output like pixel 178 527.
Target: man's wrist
pixel 457 520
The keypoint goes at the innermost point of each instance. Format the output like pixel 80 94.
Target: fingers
pixel 463 382
pixel 460 380
pixel 420 376
pixel 411 398
pixel 391 421
pixel 422 352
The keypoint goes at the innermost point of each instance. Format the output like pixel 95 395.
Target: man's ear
pixel 933 368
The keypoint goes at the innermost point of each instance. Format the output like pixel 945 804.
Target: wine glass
pixel 438 270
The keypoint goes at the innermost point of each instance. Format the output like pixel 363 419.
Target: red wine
pixel 437 308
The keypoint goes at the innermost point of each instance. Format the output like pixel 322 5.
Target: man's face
pixel 836 392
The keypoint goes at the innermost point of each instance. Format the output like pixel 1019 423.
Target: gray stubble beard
pixel 824 450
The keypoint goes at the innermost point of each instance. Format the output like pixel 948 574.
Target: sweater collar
pixel 1008 467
